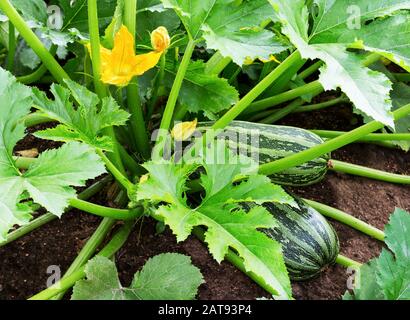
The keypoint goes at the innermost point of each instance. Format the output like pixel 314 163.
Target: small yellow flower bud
pixel 183 130
pixel 160 39
pixel 144 178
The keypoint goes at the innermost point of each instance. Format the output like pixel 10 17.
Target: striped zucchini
pixel 266 143
pixel 309 242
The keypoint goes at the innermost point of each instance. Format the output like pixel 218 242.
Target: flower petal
pixel 144 62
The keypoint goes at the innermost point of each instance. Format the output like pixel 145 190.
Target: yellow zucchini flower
pixel 121 64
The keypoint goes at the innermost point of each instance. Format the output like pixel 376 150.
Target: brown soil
pixel 24 263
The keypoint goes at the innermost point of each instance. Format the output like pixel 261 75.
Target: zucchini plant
pixel 114 73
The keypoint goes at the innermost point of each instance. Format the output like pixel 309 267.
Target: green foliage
pixel 388 277
pixel 84 123
pixel 48 181
pixel 401 97
pixel 201 92
pixel 228 225
pixel 343 68
pixel 168 276
pixel 230 27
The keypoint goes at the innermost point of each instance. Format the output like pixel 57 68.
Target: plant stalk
pixel 347 262
pixel 328 146
pixel 353 169
pixel 373 137
pixel 46 57
pixel 176 87
pixel 133 98
pixel 246 101
pixel 347 219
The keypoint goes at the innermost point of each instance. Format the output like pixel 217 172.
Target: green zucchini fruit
pixel 266 143
pixel 309 242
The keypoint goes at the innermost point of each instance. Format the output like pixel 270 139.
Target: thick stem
pixel 361 171
pixel 328 146
pixel 246 101
pixel 369 137
pixel 347 262
pixel 346 219
pixel 93 27
pixel 108 251
pixel 115 172
pixel 280 114
pixel 311 88
pixel 100 89
pixel 12 47
pixel 25 31
pixel 106 212
pixel 133 98
pixel 88 250
pixel 217 63
pixel 310 70
pixel 176 87
pixel 314 88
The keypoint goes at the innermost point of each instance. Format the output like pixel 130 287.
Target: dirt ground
pixel 24 263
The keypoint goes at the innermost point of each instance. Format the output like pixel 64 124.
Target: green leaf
pixel 76 14
pixel 228 225
pixel 388 277
pixel 401 97
pixel 366 287
pixel 394 276
pixel 343 68
pixel 117 20
pixel 35 10
pixel 85 123
pixel 151 14
pixel 202 92
pixel 337 17
pixel 168 276
pixel 228 26
pixel 395 47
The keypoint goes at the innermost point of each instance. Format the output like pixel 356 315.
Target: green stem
pixel 347 219
pixel 314 88
pixel 217 63
pixel 24 162
pixel 346 262
pixel 12 47
pixel 158 86
pixel 246 101
pixel 280 114
pixel 311 88
pixel 48 217
pixel 304 108
pixel 402 77
pixel 115 172
pixel 88 250
pixel 100 88
pixel 361 171
pixel 106 212
pixel 369 137
pixel 310 70
pixel 25 31
pixel 176 87
pixel 108 251
pixel 328 146
pixel 93 27
pixel 137 121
